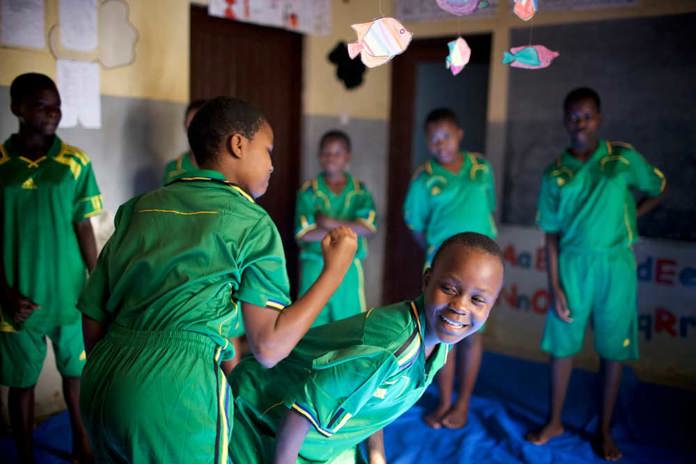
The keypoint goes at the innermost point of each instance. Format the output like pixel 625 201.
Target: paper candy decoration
pixel 459 7
pixel 459 55
pixel 531 57
pixel 525 9
pixel 379 41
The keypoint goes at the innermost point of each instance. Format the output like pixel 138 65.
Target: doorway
pixel 421 83
pixel 262 65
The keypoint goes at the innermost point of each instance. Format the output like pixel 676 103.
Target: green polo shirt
pixel 177 167
pixel 590 203
pixel 40 202
pixel 440 203
pixel 349 379
pixel 354 203
pixel 183 256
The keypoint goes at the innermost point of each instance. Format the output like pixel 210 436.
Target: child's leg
pixel 606 447
pixel 70 360
pixel 561 369
pixel 470 351
pixel 445 382
pixel 81 450
pixel 21 408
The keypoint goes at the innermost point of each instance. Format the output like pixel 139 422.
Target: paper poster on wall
pixel 78 24
pixel 22 23
pixel 419 10
pixel 78 84
pixel 311 17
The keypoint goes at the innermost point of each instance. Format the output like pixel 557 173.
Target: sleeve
pixel 365 212
pixel 304 213
pixel 547 206
pixel 416 206
pixel 644 176
pixel 88 199
pixel 341 383
pixel 264 278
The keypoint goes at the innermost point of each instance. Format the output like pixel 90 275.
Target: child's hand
pixel 338 248
pixel 561 305
pixel 19 306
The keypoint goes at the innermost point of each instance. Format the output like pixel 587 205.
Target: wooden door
pixel 403 260
pixel 262 65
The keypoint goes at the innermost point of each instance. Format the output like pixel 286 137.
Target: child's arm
pixel 92 332
pixel 87 243
pixel 272 334
pixel 375 448
pixel 329 223
pixel 561 303
pixel 290 436
pixel 18 306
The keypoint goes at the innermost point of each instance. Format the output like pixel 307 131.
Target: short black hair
pixel 441 114
pixel 582 93
pixel 217 119
pixel 194 105
pixel 470 240
pixel 334 134
pixel 28 84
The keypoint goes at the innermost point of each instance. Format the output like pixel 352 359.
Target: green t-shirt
pixel 349 378
pixel 183 256
pixel 354 203
pixel 590 203
pixel 177 167
pixel 40 202
pixel 440 203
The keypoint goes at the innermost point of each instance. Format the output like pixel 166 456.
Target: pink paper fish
pixel 525 9
pixel 459 55
pixel 531 57
pixel 379 41
pixel 459 7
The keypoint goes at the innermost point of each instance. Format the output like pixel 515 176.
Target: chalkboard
pixel 645 72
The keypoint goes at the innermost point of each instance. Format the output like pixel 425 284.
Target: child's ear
pixel 427 275
pixel 14 107
pixel 460 133
pixel 236 145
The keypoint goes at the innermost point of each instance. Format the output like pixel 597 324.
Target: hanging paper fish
pixel 459 7
pixel 531 57
pixel 459 55
pixel 379 41
pixel 525 9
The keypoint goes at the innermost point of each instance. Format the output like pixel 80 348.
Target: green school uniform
pixel 177 167
pixel 40 202
pixel 349 379
pixel 590 205
pixel 168 286
pixel 354 203
pixel 440 203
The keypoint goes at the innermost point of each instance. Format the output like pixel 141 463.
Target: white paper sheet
pixel 78 24
pixel 22 23
pixel 78 84
pixel 307 16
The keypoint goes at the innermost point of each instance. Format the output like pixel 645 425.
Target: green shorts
pixel 156 397
pixel 349 298
pixel 22 353
pixel 604 286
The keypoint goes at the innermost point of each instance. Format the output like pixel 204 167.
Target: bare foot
pixel 606 448
pixel 434 418
pixel 546 433
pixel 456 417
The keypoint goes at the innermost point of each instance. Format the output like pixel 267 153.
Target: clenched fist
pixel 338 248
